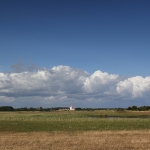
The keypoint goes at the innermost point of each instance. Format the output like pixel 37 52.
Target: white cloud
pixel 64 84
pixel 135 87
pixel 100 82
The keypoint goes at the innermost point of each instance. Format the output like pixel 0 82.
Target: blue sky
pixel 110 36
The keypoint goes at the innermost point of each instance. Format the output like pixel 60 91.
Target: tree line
pixel 10 108
pixel 142 108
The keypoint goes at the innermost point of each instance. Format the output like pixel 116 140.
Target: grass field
pixel 75 130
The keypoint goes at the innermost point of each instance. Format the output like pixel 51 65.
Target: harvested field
pixel 90 140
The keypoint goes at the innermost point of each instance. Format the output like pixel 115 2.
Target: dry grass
pixel 91 140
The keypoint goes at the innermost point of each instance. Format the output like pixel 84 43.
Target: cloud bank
pixel 66 85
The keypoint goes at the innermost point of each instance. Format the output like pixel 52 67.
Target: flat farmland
pixel 76 130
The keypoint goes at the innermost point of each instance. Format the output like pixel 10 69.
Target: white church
pixel 72 108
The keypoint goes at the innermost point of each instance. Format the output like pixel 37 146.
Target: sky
pixel 85 53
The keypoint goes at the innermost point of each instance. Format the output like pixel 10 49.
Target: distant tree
pixel 143 108
pixel 6 108
pixel 78 108
pixel 134 107
pixel 31 109
pixel 129 108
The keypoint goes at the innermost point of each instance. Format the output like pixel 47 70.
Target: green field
pixel 71 121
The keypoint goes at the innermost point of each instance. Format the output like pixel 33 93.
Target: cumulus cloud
pixel 135 87
pixel 100 82
pixel 64 84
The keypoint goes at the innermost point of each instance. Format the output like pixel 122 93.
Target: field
pixel 75 130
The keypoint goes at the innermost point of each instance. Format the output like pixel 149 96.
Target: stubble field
pixel 74 130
